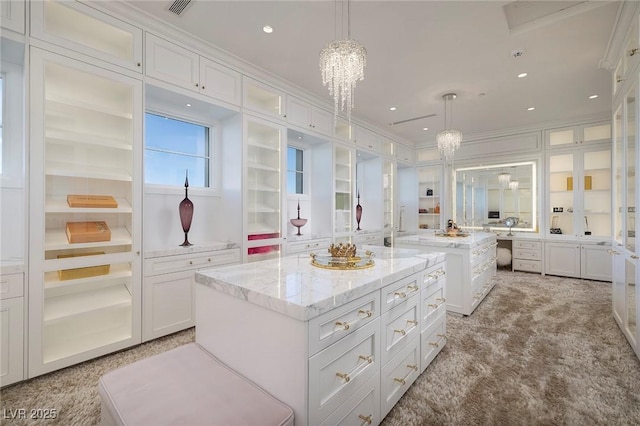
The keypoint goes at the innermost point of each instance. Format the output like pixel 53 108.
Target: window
pixel 295 170
pixel 173 147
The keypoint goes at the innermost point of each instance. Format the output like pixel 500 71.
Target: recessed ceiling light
pixel 189 105
pixel 393 108
pixel 425 128
pixel 299 137
pixel 593 96
pixel 522 74
pixel 531 108
pixel 267 29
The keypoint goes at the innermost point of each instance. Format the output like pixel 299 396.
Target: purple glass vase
pixel 186 212
pixel 358 212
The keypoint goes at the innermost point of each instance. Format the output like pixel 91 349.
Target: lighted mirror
pixel 487 195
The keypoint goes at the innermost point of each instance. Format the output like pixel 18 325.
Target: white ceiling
pixel 420 50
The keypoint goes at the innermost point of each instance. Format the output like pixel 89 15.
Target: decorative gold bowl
pixel 342 257
pixel 452 234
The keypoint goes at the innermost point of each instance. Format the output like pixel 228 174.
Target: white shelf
pixel 261 208
pixel 56 239
pixel 60 205
pixel 67 307
pixel 263 167
pixel 261 228
pixel 264 146
pixel 87 171
pixel 67 137
pixel 263 188
pixel 70 106
pixel 116 272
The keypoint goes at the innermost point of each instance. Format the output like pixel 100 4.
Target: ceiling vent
pixel 179 6
pixel 411 119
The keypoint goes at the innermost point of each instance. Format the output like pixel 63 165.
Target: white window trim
pixel 215 174
pixel 13 171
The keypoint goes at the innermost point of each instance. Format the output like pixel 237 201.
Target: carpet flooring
pixel 538 351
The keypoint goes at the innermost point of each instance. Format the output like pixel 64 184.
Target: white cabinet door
pixel 220 82
pixel 306 116
pixel 171 63
pixel 12 15
pixel 76 26
pixel 404 153
pixel 367 139
pixel 562 259
pixel 168 304
pixel 595 262
pixel 11 340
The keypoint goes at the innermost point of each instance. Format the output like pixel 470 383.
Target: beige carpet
pixel 538 351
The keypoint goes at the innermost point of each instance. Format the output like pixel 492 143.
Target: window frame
pixel 215 174
pixel 306 172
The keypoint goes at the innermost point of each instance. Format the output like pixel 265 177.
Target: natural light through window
pixel 295 171
pixel 174 146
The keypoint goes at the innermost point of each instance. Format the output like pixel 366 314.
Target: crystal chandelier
pixel 448 139
pixel 513 185
pixel 342 64
pixel 504 179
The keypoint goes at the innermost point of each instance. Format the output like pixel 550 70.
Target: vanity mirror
pixel 487 195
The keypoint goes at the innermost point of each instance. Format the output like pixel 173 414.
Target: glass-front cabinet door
pixel 264 183
pixel 631 161
pixel 430 200
pixel 561 194
pixel 85 163
pixel 343 193
pixel 619 178
pixel 596 193
pixel 388 180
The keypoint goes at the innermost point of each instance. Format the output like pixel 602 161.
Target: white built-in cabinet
pixel 81 28
pixel 626 159
pixel 388 198
pixel 573 259
pixel 585 134
pixel 308 117
pixel 344 200
pixel 86 128
pixel 264 156
pixel 11 328
pixel 430 197
pixel 404 154
pixel 12 15
pixel 182 67
pixel 168 303
pixel 263 98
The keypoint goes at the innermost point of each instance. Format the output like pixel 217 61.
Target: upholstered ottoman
pixel 186 386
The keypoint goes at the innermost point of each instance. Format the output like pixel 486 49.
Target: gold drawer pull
pixel 414 322
pixel 443 336
pixel 367 358
pixel 403 380
pixel 441 299
pixel 413 288
pixel 366 419
pixel 433 305
pixel 434 344
pixel 400 294
pixel 344 376
pixel 344 325
pixel 403 332
pixel 366 313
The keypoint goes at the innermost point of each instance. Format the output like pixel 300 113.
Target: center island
pixel 337 346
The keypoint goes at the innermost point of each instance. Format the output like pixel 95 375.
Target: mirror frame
pixel 533 226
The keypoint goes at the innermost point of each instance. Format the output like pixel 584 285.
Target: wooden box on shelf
pixel 88 232
pixel 89 271
pixel 87 200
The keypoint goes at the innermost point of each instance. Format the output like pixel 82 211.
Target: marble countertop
pixel 430 239
pixel 196 248
pixel 292 286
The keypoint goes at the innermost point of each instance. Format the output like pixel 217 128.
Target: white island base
pixel 339 347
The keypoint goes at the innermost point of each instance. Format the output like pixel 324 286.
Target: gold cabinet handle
pixel 344 376
pixel 367 313
pixel 412 367
pixel 367 358
pixel 633 256
pixel 434 344
pixel 413 288
pixel 399 294
pixel 403 332
pixel 433 305
pixel 343 325
pixel 441 299
pixel 414 322
pixel 633 51
pixel 366 419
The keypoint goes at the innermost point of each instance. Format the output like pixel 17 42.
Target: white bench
pixel 186 386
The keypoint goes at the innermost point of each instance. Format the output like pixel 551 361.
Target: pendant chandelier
pixel 342 64
pixel 448 139
pixel 504 179
pixel 513 185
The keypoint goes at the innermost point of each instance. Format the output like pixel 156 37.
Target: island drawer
pixel 530 245
pixel 434 275
pixel 432 340
pixel 185 262
pixel 433 303
pixel 340 370
pixel 332 326
pixel 398 375
pixel 362 408
pixel 399 326
pixel 400 291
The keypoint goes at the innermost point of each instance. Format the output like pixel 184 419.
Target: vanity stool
pixel 186 386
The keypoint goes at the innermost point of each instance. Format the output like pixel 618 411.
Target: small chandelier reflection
pixel 504 179
pixel 448 139
pixel 342 64
pixel 513 185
